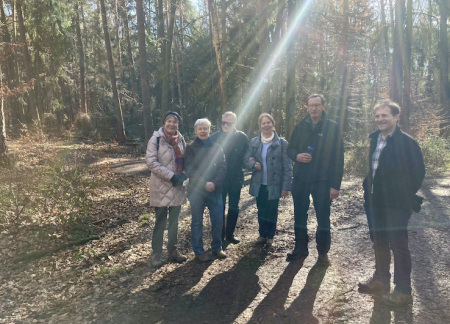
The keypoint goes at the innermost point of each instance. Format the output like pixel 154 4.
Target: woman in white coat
pixel 165 159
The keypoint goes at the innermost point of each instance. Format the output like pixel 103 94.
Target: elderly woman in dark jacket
pixel 206 169
pixel 271 176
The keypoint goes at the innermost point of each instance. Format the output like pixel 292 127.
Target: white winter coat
pixel 161 163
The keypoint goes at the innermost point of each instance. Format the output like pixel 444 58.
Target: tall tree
pixel 145 85
pixel 83 106
pixel 120 128
pixel 444 89
pixel 216 43
pixel 398 41
pixel 290 71
pixel 407 104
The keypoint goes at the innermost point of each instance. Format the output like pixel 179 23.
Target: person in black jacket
pixel 396 174
pixel 236 148
pixel 206 169
pixel 317 149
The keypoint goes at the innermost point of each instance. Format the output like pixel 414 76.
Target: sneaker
pixel 233 239
pixel 323 259
pixel 373 286
pixel 203 257
pixel 176 256
pixel 396 299
pixel 156 259
pixel 297 253
pixel 260 241
pixel 220 254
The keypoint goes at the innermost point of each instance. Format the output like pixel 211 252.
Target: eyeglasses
pixel 315 106
pixel 227 123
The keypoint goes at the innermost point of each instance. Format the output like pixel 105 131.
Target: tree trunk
pixel 397 65
pixel 145 85
pixel 223 47
pixel 407 105
pixel 83 106
pixel 290 73
pixel 444 86
pixel 344 69
pixel 33 109
pixel 120 128
pixel 167 59
pixel 216 44
pixel 264 56
pixel 3 147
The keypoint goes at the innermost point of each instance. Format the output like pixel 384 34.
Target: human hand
pixel 210 186
pixel 284 194
pixel 334 193
pixel 258 166
pixel 251 159
pixel 304 157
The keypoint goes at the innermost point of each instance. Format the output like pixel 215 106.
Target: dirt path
pixel 110 280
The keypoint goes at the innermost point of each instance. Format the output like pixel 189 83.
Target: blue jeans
pixel 213 201
pixel 320 192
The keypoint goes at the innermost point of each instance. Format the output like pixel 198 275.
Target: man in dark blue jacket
pixel 317 149
pixel 396 174
pixel 236 148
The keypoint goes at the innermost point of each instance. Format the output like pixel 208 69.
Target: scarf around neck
pixel 267 140
pixel 172 139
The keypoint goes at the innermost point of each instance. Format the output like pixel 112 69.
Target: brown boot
pixel 176 256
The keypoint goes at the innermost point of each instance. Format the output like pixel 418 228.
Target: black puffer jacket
pixel 327 162
pixel 399 174
pixel 204 162
pixel 235 145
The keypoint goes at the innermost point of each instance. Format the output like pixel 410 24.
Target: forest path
pixel 110 280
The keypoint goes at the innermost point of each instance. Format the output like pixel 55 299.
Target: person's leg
pixel 197 208
pixel 300 196
pixel 174 213
pixel 321 198
pixel 261 204
pixel 400 249
pixel 233 212
pixel 214 204
pixel 272 217
pixel 158 231
pixel 224 202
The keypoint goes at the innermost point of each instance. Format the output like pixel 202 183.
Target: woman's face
pixel 266 126
pixel 202 131
pixel 171 125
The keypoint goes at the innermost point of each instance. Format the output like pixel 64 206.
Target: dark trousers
pixel 229 223
pixel 267 213
pixel 160 225
pixel 388 229
pixel 320 192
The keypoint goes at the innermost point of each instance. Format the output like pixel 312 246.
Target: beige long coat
pixel 161 163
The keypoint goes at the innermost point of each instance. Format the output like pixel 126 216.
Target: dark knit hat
pixel 172 113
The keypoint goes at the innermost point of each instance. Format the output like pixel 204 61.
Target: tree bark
pixel 120 128
pixel 216 43
pixel 444 86
pixel 344 69
pixel 33 109
pixel 145 85
pixel 397 65
pixel 290 73
pixel 407 104
pixel 3 147
pixel 83 106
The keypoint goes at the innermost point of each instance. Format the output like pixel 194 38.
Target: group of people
pixel 214 166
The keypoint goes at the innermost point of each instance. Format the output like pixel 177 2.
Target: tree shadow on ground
pixel 301 309
pixel 274 301
pixel 225 296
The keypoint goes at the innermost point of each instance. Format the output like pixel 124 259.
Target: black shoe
pixel 323 259
pixel 233 239
pixel 373 286
pixel 297 253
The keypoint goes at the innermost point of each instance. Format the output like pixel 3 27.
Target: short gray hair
pixel 230 113
pixel 202 121
pixel 317 95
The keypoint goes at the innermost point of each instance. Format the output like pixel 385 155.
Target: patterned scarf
pixel 172 139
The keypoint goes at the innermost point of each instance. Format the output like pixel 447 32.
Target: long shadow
pixel 225 296
pixel 274 301
pixel 381 313
pixel 301 308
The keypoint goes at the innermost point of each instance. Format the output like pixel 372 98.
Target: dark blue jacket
pixel 327 162
pixel 399 174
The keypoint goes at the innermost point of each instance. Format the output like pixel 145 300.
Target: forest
pixel 110 69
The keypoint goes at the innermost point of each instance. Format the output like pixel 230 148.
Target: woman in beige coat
pixel 165 159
